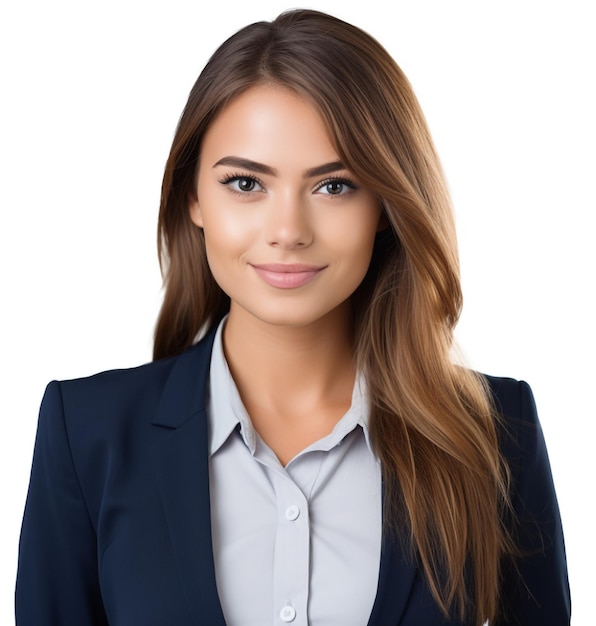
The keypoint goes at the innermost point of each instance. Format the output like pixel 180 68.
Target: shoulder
pixel 142 378
pixel 513 398
pixel 108 424
pixel 115 398
pixel 521 436
pixel 108 388
pixel 524 448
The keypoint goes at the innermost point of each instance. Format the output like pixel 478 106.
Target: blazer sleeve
pixel 535 585
pixel 57 579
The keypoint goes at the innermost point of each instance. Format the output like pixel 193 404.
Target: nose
pixel 288 225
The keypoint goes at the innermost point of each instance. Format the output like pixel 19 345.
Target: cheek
pixel 356 238
pixel 227 241
pixel 225 231
pixel 220 261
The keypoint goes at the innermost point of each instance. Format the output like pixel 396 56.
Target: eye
pixel 241 183
pixel 335 187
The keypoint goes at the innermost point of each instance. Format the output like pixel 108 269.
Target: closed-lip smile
pixel 287 275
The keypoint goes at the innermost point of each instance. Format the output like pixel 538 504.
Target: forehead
pixel 270 124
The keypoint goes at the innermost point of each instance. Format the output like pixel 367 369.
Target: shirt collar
pixel 226 411
pixel 225 408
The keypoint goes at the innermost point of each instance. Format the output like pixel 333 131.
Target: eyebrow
pixel 261 168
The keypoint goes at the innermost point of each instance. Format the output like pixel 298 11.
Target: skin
pixel 289 233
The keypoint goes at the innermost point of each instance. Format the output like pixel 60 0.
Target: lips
pixel 287 276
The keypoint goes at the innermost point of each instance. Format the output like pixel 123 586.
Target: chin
pixel 292 316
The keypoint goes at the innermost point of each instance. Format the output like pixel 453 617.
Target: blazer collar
pixel 185 391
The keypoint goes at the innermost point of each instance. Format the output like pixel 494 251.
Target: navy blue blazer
pixel 117 526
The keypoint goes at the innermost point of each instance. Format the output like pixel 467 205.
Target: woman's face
pixel 288 229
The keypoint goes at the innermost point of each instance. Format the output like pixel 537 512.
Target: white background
pixel 90 97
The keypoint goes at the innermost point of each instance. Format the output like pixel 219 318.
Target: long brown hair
pixel 432 422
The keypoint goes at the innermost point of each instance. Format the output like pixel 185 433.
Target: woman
pixel 316 457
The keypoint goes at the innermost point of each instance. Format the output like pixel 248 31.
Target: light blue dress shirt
pixel 299 544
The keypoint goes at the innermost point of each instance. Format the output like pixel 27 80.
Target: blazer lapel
pixel 396 580
pixel 182 476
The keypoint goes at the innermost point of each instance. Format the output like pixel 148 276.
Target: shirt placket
pixel 291 554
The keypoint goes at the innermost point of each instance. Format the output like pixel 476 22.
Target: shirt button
pixel 287 614
pixel 292 513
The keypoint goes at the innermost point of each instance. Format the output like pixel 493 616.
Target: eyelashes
pixel 243 183
pixel 332 184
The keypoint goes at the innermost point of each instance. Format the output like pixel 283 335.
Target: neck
pixel 291 369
